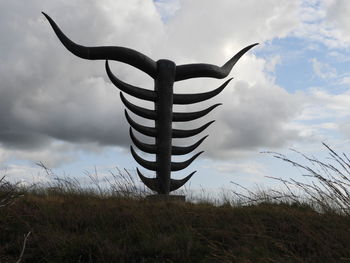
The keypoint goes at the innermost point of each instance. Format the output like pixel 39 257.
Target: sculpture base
pixel 167 198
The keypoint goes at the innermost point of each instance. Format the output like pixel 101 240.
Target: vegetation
pixel 71 223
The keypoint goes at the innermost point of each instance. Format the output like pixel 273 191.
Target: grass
pixel 71 223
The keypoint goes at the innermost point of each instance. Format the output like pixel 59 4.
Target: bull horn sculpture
pixel 165 73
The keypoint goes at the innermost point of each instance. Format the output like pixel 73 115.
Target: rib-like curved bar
pixel 137 92
pixel 190 116
pixel 151 183
pixel 122 54
pixel 198 97
pixel 148 148
pixel 177 183
pixel 142 112
pixel 144 163
pixel 177 166
pixel 176 133
pixel 178 150
pixel 145 130
pixel 207 70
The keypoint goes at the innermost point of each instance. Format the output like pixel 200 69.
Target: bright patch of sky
pixel 321 66
pixel 167 8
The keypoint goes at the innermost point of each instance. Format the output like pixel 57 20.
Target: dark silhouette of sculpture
pixel 165 73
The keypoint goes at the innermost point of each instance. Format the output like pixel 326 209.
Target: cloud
pixel 338 18
pixel 244 168
pixel 24 175
pixel 53 154
pixel 255 110
pixel 167 8
pixel 326 22
pixel 323 70
pixel 257 117
pixel 325 116
pixel 338 103
pixel 47 95
pixel 345 80
pixel 206 30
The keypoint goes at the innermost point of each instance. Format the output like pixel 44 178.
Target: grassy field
pixel 67 223
pixel 87 228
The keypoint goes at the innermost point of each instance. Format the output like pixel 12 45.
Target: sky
pixel 289 92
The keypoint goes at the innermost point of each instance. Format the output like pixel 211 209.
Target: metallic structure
pixel 165 73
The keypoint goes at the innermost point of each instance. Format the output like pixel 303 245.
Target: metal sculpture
pixel 165 73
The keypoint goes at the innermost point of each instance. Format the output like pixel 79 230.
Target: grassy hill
pixel 65 222
pixel 78 227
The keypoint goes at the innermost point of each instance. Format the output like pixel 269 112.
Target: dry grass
pixel 329 189
pixel 84 228
pixel 8 192
pixel 72 223
pixel 8 195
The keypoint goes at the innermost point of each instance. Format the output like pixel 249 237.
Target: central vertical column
pixel 164 108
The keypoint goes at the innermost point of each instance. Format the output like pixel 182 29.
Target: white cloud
pixel 325 115
pixel 272 63
pixel 248 168
pixel 323 70
pixel 339 103
pixel 167 8
pixel 48 95
pixel 345 80
pixel 338 17
pixel 255 113
pixel 25 175
pixel 53 155
pixel 326 22
pixel 202 30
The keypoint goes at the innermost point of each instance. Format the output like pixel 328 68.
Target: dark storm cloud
pixel 45 92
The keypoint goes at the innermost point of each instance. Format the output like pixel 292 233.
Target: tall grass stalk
pixel 8 192
pixel 329 189
pixel 121 184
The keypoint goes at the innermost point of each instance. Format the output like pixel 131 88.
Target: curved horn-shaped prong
pixel 122 54
pixel 198 97
pixel 142 112
pixel 144 163
pixel 177 166
pixel 151 183
pixel 188 133
pixel 148 131
pixel 148 148
pixel 176 184
pixel 137 92
pixel 190 116
pixel 177 150
pixel 207 70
